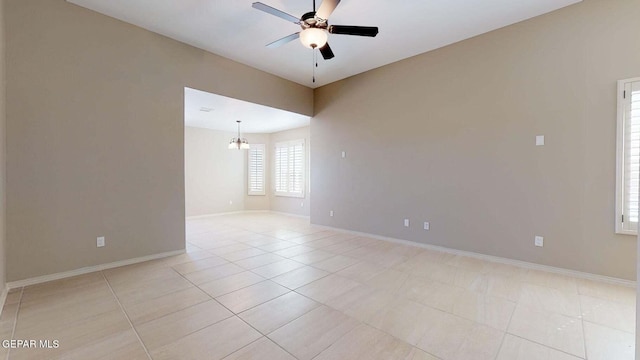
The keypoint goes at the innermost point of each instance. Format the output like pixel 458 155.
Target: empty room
pixel 290 179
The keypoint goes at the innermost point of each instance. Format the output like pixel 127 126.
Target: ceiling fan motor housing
pixel 309 20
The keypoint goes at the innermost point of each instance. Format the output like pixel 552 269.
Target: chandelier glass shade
pixel 238 143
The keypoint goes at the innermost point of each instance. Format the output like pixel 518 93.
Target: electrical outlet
pixel 331 213
pixel 230 202
pixel 344 154
pixel 426 225
pixel 539 241
pixel 406 222
pixel 100 241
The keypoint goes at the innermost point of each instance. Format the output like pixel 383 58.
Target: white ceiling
pixel 224 111
pixel 233 29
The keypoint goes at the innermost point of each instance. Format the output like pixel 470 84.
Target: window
pixel 628 162
pixel 289 168
pixel 255 178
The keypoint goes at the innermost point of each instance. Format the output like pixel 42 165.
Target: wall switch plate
pixel 100 241
pixel 330 212
pixel 540 140
pixel 344 154
pixel 406 222
pixel 426 225
pixel 539 241
pixel 302 204
pixel 230 202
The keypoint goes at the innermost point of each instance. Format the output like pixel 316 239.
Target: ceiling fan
pixel 315 27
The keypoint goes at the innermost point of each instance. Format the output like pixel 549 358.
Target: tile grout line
pixel 238 317
pixel 536 342
pixel 584 335
pixel 251 343
pixel 548 286
pixel 263 336
pixel 608 327
pixel 190 306
pixel 338 232
pixel 15 320
pixel 506 330
pixel 273 251
pixel 266 279
pixel 364 322
pixel 547 346
pixel 323 304
pixel 276 238
pixel 292 320
pixel 266 252
pixel 226 293
pixel 360 323
pixel 233 314
pixel 126 316
pixel 249 270
pixel 398 296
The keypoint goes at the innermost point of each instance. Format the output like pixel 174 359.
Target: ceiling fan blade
pixel 273 11
pixel 284 40
pixel 326 8
pixel 371 31
pixel 326 52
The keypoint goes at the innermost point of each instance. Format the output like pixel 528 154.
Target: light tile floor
pixel 267 286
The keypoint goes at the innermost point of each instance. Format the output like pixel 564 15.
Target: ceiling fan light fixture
pixel 313 37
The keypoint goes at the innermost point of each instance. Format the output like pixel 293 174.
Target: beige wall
pixel 214 175
pixel 95 134
pixel 296 206
pixel 212 172
pixel 2 151
pixel 448 137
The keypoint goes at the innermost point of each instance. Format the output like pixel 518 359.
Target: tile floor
pixel 267 286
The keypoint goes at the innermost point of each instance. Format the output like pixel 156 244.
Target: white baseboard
pixel 495 259
pixel 204 216
pixel 290 214
pixel 88 269
pixel 196 217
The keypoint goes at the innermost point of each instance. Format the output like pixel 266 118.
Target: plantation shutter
pixel 256 162
pixel 631 149
pixel 296 157
pixel 281 168
pixel 289 168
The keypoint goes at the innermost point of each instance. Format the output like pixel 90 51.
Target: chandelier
pixel 238 143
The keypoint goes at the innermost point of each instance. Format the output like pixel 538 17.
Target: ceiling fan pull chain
pixel 316 64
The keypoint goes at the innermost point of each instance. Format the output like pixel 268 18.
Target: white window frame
pixel 289 145
pixel 623 225
pixel 253 148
